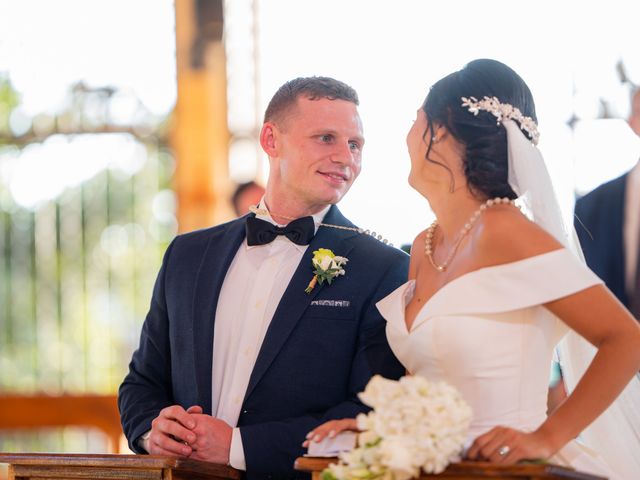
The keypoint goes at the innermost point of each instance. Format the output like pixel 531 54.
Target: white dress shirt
pixel 631 229
pixel 255 282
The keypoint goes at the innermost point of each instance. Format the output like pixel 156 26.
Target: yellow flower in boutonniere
pixel 327 266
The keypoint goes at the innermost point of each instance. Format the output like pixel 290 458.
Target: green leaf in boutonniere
pixel 327 266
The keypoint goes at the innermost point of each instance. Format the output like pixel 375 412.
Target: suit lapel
pixel 295 301
pixel 220 252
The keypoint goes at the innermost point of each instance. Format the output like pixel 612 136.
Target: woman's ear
pixel 439 133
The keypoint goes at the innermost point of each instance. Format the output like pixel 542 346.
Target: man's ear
pixel 269 139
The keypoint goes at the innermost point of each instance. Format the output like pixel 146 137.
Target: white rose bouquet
pixel 414 425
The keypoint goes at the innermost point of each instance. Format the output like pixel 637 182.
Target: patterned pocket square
pixel 331 303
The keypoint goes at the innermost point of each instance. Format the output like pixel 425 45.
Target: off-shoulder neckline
pixel 465 276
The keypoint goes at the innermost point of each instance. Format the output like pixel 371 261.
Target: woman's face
pixel 429 176
pixel 426 175
pixel 417 145
pixel 415 142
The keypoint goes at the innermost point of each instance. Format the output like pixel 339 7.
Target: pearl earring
pixel 434 139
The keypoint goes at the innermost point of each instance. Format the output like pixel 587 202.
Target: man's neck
pixel 283 211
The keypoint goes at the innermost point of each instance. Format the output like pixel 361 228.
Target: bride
pixel 491 292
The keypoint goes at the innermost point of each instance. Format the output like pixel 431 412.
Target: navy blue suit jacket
pixel 315 357
pixel 599 223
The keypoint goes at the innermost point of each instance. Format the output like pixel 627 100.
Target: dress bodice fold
pixel 502 288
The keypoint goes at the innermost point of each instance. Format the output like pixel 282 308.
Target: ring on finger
pixel 503 450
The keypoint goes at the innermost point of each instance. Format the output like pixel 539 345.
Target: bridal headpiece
pixel 503 111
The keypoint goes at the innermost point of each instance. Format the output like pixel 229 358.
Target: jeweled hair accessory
pixel 502 111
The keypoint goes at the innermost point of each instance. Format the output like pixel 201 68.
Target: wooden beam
pixel 200 136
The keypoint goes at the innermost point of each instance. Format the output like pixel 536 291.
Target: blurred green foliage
pixel 9 99
pixel 77 269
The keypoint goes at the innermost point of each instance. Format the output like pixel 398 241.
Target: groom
pixel 236 362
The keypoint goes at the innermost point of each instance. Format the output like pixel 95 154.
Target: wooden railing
pixel 471 471
pixel 32 466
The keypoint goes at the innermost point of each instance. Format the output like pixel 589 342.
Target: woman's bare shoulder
pixel 506 235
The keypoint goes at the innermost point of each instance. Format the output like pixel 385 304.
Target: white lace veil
pixel 615 435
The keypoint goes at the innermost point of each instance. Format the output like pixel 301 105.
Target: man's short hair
pixel 313 88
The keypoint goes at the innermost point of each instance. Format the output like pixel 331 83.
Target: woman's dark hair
pixel 485 142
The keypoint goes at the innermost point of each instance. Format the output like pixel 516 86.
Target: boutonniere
pixel 326 267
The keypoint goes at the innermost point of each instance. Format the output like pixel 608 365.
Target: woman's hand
pixel 508 446
pixel 330 429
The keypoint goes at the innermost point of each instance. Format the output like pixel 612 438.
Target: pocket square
pixel 331 303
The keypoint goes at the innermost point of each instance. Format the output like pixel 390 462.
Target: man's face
pixel 315 152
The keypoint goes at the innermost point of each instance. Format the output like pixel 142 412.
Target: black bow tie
pixel 300 231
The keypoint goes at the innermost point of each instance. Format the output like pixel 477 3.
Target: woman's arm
pixel 597 315
pixel 601 319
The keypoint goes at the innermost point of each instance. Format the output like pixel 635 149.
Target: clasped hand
pixel 190 433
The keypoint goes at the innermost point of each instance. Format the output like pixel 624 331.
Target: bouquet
pixel 414 425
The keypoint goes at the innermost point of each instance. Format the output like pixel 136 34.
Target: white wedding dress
pixel 487 334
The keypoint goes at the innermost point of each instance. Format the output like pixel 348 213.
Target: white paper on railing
pixel 331 447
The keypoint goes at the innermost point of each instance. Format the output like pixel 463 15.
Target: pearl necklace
pixel 263 211
pixel 428 247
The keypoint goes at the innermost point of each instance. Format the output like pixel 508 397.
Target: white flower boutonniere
pixel 327 266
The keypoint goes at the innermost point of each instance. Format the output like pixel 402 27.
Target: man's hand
pixel 213 440
pixel 172 431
